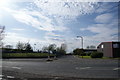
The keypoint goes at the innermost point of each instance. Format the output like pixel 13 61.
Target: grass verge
pixel 88 57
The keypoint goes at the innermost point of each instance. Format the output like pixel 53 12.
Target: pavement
pixel 65 68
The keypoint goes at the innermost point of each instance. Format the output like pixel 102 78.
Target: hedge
pixel 96 55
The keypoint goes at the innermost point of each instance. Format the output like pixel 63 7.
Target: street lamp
pixel 81 43
pixel 81 40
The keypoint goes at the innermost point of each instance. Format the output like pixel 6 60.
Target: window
pixel 115 45
pixel 102 46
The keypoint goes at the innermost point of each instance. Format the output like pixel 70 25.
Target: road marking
pixel 10 77
pixel 1 75
pixel 116 69
pixel 76 68
pixel 88 67
pixel 83 68
pixel 56 78
pixel 16 67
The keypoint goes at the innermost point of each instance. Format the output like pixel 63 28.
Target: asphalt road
pixel 65 68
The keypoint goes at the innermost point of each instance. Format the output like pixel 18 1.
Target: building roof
pixel 108 42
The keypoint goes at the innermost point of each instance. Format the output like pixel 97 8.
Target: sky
pixel 44 22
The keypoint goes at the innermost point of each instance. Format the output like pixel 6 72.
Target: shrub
pixel 83 54
pixel 96 55
pixel 88 54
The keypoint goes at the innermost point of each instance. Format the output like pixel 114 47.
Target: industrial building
pixel 109 49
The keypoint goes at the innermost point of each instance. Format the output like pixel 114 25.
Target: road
pixel 65 68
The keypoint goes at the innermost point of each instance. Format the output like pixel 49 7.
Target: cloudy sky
pixel 44 22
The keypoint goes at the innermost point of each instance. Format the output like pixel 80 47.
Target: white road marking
pixel 83 68
pixel 0 78
pixel 88 67
pixel 16 67
pixel 10 77
pixel 1 75
pixel 116 68
pixel 76 68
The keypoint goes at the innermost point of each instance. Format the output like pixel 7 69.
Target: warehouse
pixel 109 49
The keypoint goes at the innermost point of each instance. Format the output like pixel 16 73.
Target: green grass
pixel 88 57
pixel 85 56
pixel 25 55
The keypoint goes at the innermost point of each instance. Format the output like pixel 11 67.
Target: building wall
pixel 109 49
pixel 106 49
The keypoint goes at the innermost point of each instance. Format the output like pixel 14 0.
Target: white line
pixel 86 68
pixel 83 68
pixel 1 75
pixel 116 68
pixel 10 77
pixel 16 67
pixel 76 68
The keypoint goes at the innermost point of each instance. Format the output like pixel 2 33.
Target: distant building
pixel 89 50
pixel 109 49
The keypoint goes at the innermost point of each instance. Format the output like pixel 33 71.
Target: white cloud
pixel 53 34
pixel 41 22
pixel 65 0
pixel 103 32
pixel 69 9
pixel 104 18
pixel 17 29
pixel 102 29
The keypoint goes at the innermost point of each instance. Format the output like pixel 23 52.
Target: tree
pixel 51 48
pixel 2 30
pixel 45 49
pixel 20 46
pixel 78 52
pixel 61 50
pixel 9 46
pixel 28 47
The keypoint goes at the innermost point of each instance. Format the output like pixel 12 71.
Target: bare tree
pixel 45 49
pixel 28 47
pixel 2 29
pixel 51 48
pixel 20 46
pixel 9 46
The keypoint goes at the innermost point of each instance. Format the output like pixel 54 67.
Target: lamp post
pixel 81 40
pixel 81 43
